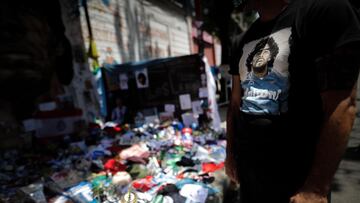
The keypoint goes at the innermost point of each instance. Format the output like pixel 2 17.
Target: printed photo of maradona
pixel 260 61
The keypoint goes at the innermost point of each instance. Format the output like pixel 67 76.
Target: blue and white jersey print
pixel 264 74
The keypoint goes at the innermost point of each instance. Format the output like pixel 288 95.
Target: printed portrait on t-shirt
pixel 264 74
pixel 261 59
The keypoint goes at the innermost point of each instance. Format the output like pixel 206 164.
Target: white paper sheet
pixel 185 101
pixel 188 119
pixel 196 107
pixel 203 92
pixel 169 107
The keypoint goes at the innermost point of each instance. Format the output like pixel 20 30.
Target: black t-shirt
pixel 279 63
pixel 275 57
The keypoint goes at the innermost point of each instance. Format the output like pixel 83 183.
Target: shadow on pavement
pixel 335 186
pixel 352 153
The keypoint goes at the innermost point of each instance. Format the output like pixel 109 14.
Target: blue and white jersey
pixel 266 95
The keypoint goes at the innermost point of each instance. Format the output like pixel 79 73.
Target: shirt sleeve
pixel 333 28
pixel 339 70
pixel 330 24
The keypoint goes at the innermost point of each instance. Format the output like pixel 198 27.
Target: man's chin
pixel 260 72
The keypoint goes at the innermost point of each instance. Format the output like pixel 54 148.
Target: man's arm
pixel 339 107
pixel 340 110
pixel 233 110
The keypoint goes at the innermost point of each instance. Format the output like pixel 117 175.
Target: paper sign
pixel 123 78
pixel 188 119
pixel 185 101
pixel 142 80
pixel 196 107
pixel 203 92
pixel 169 107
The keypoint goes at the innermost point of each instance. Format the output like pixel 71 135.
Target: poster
pixel 185 101
pixel 123 78
pixel 169 108
pixel 188 119
pixel 196 107
pixel 142 80
pixel 203 92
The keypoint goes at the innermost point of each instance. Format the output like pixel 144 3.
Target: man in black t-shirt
pixel 293 101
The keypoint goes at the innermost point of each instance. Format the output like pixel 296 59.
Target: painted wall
pixel 134 30
pixel 82 89
pixel 124 31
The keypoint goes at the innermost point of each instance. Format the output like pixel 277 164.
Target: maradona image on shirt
pixel 265 85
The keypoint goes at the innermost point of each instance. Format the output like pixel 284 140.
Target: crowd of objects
pixel 152 162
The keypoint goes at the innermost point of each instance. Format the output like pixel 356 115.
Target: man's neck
pixel 269 11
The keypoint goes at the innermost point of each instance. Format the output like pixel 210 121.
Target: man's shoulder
pixel 322 4
pixel 240 38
